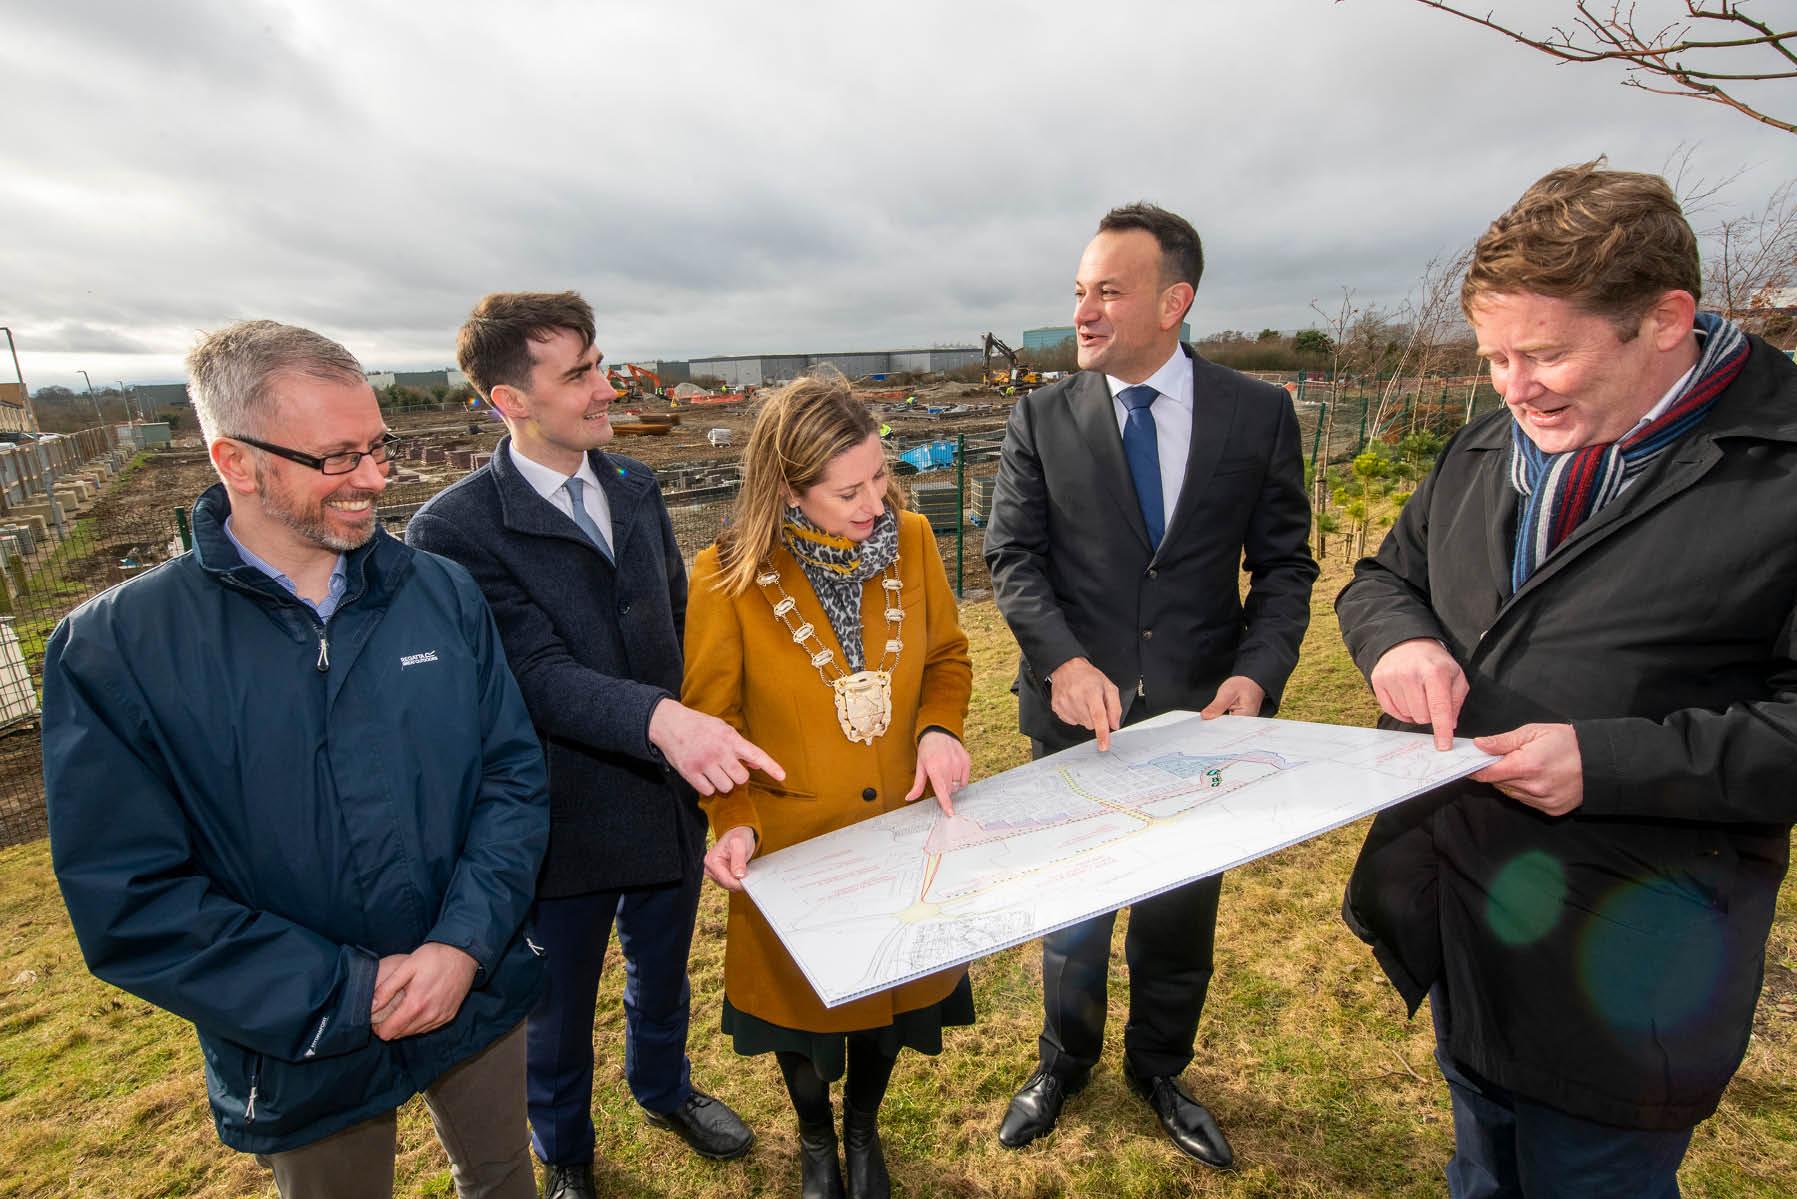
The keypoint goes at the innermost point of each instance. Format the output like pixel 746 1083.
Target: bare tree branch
pixel 1696 194
pixel 1750 267
pixel 1667 61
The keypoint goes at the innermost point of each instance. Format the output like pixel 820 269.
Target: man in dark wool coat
pixel 574 550
pixel 1599 581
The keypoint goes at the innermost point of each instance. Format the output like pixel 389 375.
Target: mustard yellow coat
pixel 742 666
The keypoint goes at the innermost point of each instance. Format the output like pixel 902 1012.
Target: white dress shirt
pixel 550 484
pixel 1655 413
pixel 1172 414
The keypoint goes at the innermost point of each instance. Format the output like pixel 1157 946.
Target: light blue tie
pixel 576 492
pixel 1141 449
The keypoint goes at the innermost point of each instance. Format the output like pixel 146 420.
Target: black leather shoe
pixel 569 1182
pixel 710 1127
pixel 1187 1122
pixel 862 1153
pixel 820 1174
pixel 1036 1107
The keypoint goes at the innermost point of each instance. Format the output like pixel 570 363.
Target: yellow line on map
pixel 1103 803
pixel 935 859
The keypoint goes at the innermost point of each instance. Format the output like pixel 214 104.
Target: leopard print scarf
pixel 837 568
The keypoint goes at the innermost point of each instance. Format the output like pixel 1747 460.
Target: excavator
pixel 630 385
pixel 1019 373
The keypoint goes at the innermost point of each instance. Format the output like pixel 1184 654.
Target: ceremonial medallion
pixel 863 704
pixel 863 699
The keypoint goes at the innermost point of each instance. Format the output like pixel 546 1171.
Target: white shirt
pixel 1172 414
pixel 550 484
pixel 1657 411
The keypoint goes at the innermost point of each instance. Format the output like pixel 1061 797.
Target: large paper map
pixel 1073 835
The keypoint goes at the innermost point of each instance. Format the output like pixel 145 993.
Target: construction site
pixel 82 512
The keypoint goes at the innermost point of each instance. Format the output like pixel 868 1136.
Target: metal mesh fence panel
pixel 68 531
pixel 83 512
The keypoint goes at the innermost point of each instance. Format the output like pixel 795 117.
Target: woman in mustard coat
pixel 822 627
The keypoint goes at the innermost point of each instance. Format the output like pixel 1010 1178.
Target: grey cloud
pixel 724 178
pixel 77 337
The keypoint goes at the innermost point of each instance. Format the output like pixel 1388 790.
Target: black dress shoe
pixel 820 1174
pixel 1187 1122
pixel 569 1182
pixel 710 1127
pixel 1036 1107
pixel 862 1153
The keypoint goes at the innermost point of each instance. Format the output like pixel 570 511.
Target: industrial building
pixel 148 397
pixel 15 413
pixel 1050 336
pixel 448 377
pixel 670 373
pixel 760 370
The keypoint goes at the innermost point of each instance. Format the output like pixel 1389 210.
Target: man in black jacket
pixel 574 550
pixel 1129 499
pixel 1599 579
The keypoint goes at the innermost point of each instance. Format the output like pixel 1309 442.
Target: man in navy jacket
pixel 295 797
pixel 574 550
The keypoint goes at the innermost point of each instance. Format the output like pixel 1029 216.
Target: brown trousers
pixel 478 1108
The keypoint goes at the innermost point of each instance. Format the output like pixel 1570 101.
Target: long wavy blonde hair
pixel 799 430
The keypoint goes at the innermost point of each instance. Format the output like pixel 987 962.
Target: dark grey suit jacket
pixel 1075 576
pixel 594 648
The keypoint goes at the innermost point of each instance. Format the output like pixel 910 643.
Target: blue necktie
pixel 1141 449
pixel 576 492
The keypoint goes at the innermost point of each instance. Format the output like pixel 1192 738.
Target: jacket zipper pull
pixel 249 1109
pixel 1141 690
pixel 324 653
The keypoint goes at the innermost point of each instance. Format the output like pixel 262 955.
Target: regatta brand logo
pixel 429 655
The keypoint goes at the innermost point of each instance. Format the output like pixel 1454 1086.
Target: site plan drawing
pixel 1073 835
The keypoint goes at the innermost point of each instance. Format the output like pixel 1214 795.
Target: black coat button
pixel 869 794
pixel 623 607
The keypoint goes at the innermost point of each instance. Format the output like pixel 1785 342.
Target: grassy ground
pixel 1304 1054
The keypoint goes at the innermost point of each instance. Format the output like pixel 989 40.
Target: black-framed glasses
pixel 330 464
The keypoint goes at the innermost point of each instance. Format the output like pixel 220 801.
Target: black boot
pixel 821 1173
pixel 866 1161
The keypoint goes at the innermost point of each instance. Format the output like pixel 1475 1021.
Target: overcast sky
pixel 727 177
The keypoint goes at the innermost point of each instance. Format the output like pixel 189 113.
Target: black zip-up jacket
pixel 1605 963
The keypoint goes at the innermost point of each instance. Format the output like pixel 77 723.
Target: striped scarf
pixel 1561 491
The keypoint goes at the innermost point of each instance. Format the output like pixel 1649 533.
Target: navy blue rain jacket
pixel 249 808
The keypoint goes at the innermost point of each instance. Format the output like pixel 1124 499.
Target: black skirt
pixel 919 1029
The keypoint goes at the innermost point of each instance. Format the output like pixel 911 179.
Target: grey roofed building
pixel 447 377
pixel 151 396
pixel 15 410
pixel 669 372
pixel 1050 336
pixel 761 370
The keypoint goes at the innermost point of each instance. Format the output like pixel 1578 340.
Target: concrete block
pixel 36 510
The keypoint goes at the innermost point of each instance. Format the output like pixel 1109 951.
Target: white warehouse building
pixel 761 370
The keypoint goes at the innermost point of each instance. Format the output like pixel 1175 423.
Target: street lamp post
pixel 100 420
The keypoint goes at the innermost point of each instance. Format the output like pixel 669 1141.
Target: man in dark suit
pixel 1129 498
pixel 576 555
